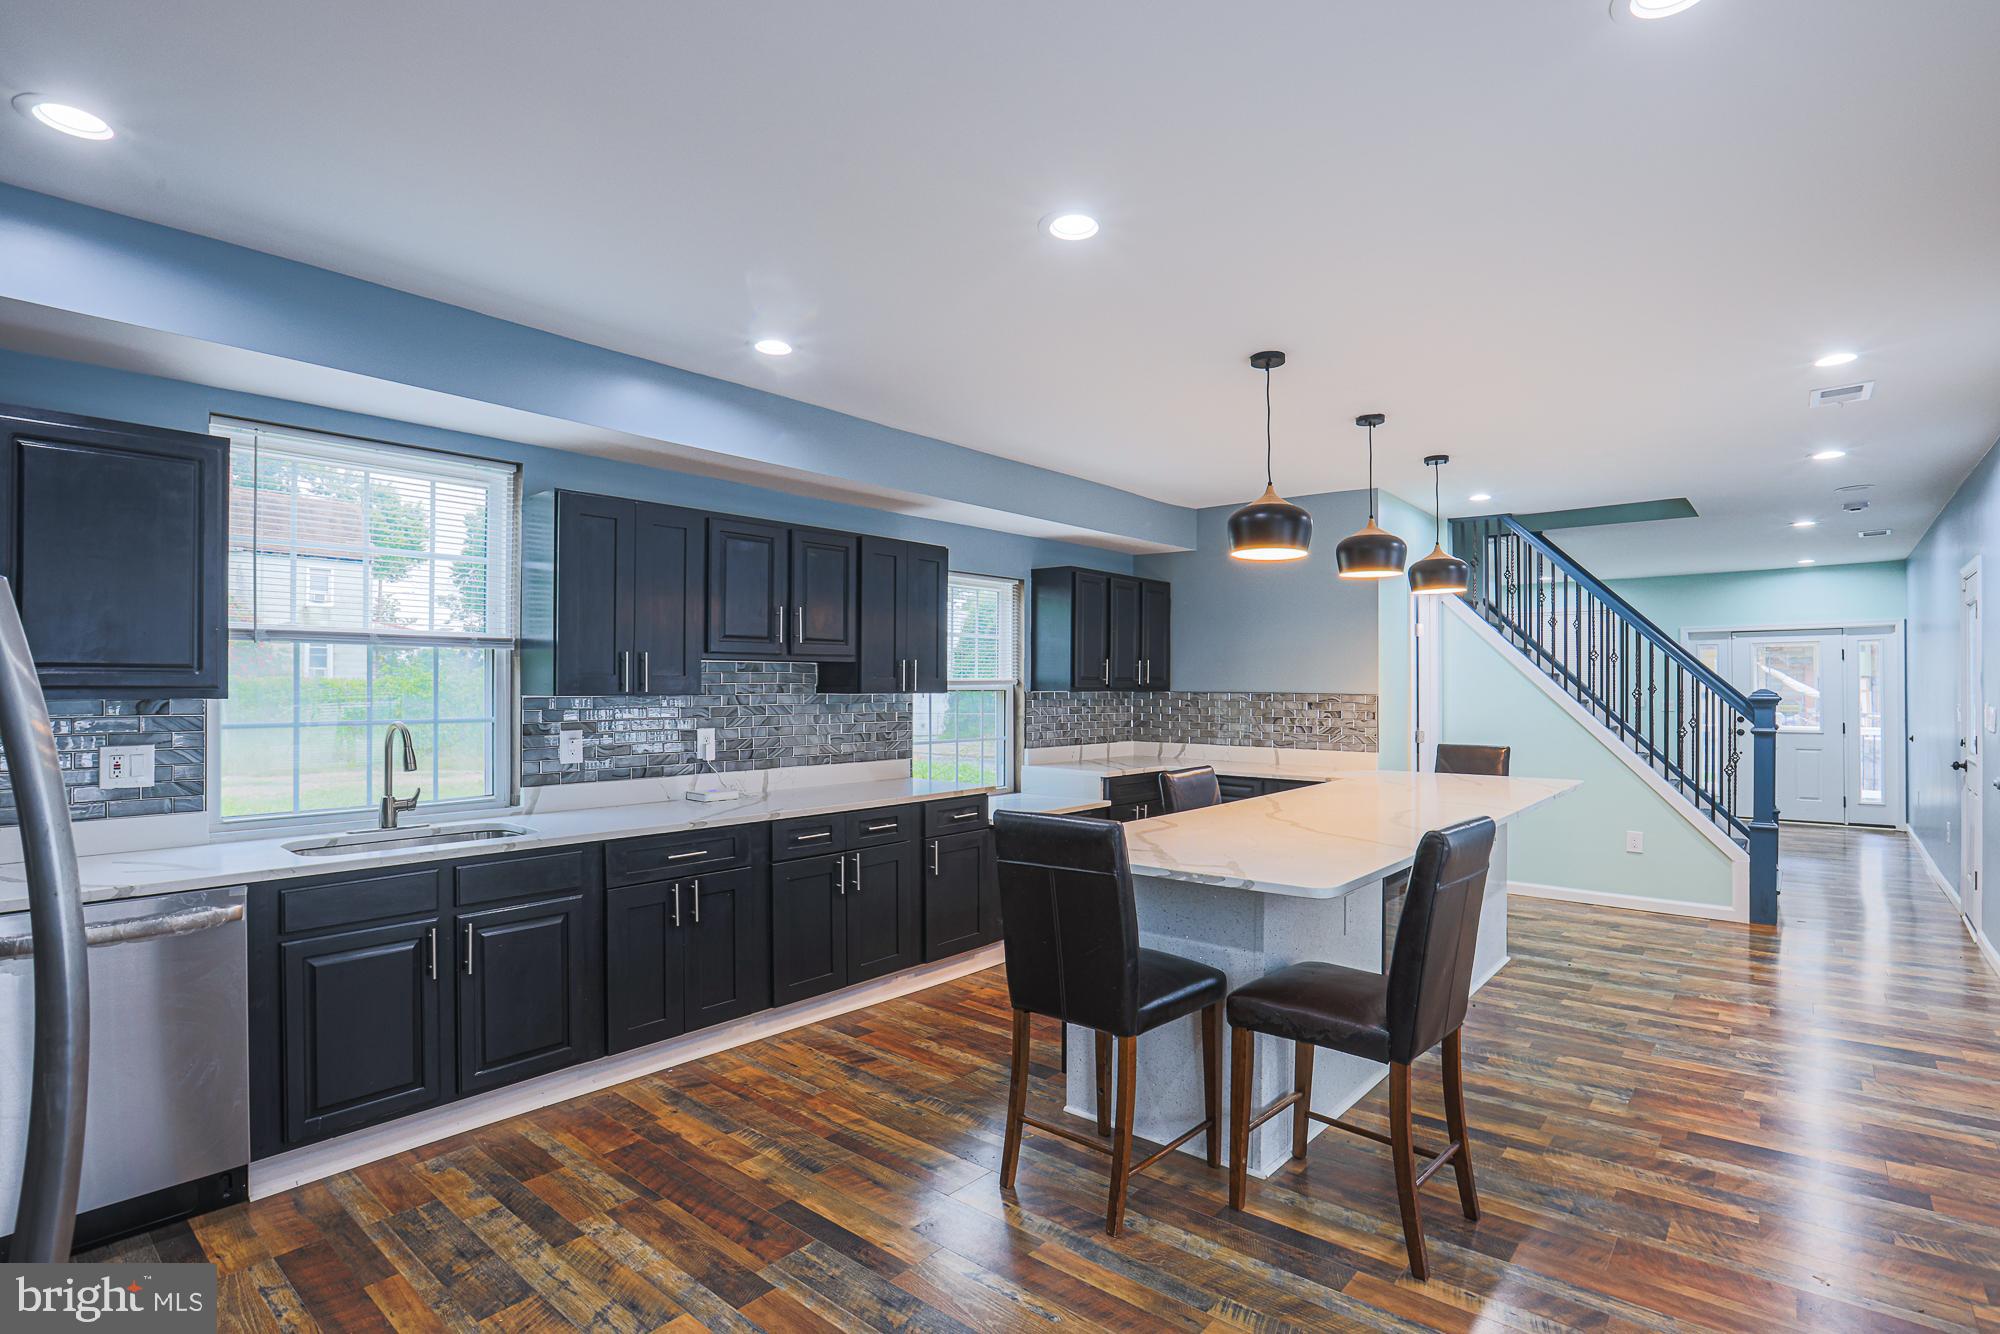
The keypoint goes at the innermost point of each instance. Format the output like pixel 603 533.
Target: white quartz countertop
pixel 1320 842
pixel 1046 803
pixel 136 874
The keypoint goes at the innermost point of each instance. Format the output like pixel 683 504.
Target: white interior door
pixel 1804 667
pixel 1872 666
pixel 1971 708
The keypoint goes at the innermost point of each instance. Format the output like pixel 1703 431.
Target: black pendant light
pixel 1439 572
pixel 1374 552
pixel 1269 527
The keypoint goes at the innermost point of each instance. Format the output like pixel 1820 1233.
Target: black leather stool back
pixel 1066 909
pixel 1489 760
pixel 1189 789
pixel 1430 971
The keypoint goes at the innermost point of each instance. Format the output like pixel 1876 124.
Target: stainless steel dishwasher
pixel 167 1127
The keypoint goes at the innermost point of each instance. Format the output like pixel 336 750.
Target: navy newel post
pixel 1764 817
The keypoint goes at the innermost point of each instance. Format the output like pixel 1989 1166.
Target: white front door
pixel 1971 707
pixel 1804 667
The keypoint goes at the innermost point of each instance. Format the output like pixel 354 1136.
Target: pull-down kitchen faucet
pixel 393 805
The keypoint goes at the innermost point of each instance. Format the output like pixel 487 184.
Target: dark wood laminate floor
pixel 1676 1125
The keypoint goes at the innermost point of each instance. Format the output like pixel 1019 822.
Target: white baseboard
pixel 1937 876
pixel 1714 912
pixel 296 1167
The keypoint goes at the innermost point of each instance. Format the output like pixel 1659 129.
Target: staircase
pixel 1668 708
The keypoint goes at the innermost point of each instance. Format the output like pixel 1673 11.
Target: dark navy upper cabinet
pixel 901 642
pixel 114 538
pixel 1098 631
pixel 778 592
pixel 613 591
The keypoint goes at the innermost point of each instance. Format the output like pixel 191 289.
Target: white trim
pixel 314 1162
pixel 1937 876
pixel 1791 627
pixel 1714 912
pixel 1609 740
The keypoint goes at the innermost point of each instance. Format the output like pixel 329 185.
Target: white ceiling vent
pixel 1854 506
pixel 1874 532
pixel 1843 393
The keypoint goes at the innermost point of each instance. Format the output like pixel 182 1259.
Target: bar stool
pixel 1189 789
pixel 1073 954
pixel 1492 761
pixel 1391 1017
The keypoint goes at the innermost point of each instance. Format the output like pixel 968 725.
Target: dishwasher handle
pixel 181 923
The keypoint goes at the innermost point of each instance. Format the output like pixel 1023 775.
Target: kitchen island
pixel 1252 886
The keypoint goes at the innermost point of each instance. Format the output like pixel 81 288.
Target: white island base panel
pixel 1247 933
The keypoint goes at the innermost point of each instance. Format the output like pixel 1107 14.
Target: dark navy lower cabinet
pixel 961 894
pixel 522 975
pixel 885 898
pixel 681 955
pixel 808 927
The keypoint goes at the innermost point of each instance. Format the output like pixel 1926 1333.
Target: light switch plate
pixel 125 766
pixel 1635 841
pixel 569 746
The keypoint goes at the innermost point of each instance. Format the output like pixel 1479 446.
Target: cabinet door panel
pixel 144 612
pixel 1156 635
pixel 594 595
pixel 1091 647
pixel 925 590
pixel 727 948
pixel 746 587
pixel 823 576
pixel 1122 632
pixel 361 1030
pixel 520 992
pixel 961 894
pixel 884 911
pixel 670 558
pixel 880 655
pixel 808 927
pixel 644 985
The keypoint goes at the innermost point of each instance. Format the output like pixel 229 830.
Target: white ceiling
pixel 1592 260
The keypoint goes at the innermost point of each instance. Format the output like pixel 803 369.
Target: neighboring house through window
pixel 970 734
pixel 368 584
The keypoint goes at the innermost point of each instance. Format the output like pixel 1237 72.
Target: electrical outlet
pixel 1634 841
pixel 125 766
pixel 704 744
pixel 569 746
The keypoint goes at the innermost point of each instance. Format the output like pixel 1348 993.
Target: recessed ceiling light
pixel 1826 455
pixel 773 347
pixel 63 117
pixel 1806 561
pixel 1645 10
pixel 1835 359
pixel 1804 523
pixel 1070 226
pixel 1479 498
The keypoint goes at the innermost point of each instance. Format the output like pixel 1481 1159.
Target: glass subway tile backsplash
pixel 175 728
pixel 1294 719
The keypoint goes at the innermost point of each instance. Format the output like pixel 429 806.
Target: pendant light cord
pixel 1371 472
pixel 1268 482
pixel 1437 504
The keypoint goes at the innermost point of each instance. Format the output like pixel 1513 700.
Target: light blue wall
pixel 1292 625
pixel 1965 529
pixel 1829 595
pixel 68 386
pixel 106 266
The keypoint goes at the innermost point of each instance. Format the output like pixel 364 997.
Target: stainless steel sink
pixel 397 840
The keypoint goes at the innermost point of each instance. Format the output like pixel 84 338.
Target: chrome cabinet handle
pixel 916 671
pixel 697 901
pixel 645 671
pixel 840 875
pixel 468 949
pixel 812 838
pixel 781 624
pixel 1107 671
pixel 434 953
pixel 934 857
pixel 799 621
pixel 966 815
pixel 624 671
pixel 882 828
pixel 683 856
pixel 677 905
pixel 857 873
pixel 902 673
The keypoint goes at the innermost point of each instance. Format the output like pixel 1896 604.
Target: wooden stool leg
pixel 1121 1133
pixel 1017 1101
pixel 1454 1119
pixel 1211 1079
pixel 1406 1167
pixel 1302 1081
pixel 1103 1083
pixel 1242 1055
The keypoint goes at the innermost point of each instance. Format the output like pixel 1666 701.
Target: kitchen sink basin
pixel 397 840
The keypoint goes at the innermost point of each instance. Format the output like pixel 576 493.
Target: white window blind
pixel 983 631
pixel 333 539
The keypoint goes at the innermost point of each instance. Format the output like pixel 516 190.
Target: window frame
pixel 502 660
pixel 1014 698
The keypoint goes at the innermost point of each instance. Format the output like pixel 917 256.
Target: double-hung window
pixel 971 733
pixel 369 584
